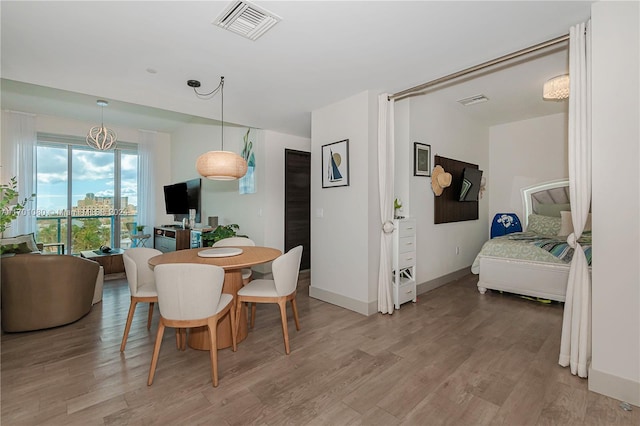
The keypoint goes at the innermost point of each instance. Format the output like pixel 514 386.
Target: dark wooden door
pixel 297 203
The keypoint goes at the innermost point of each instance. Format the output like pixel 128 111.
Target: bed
pixel 536 262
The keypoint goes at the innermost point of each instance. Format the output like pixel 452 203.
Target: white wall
pixel 259 215
pixel 65 126
pixel 453 135
pixel 342 233
pixel 615 367
pixel 275 144
pixel 521 154
pixel 221 198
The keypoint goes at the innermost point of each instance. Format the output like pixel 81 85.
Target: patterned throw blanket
pixel 557 246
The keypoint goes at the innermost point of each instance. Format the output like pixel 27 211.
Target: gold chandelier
pixel 219 165
pixel 100 137
pixel 556 88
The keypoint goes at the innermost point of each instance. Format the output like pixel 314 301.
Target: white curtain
pixel 385 187
pixel 575 346
pixel 19 140
pixel 147 149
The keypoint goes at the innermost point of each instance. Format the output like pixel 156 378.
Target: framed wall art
pixel 335 164
pixel 421 159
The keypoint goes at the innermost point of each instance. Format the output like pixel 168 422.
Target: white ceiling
pixel 71 53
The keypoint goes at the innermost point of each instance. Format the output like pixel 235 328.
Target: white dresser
pixel 404 261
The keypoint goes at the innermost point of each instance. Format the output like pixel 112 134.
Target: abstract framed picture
pixel 421 159
pixel 335 164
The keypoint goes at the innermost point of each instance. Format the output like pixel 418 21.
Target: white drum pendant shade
pixel 221 165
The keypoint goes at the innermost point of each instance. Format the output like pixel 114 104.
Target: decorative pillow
pixel 15 248
pixel 552 210
pixel 566 226
pixel 544 225
pixel 25 238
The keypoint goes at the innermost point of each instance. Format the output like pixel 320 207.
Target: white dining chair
pixel 141 284
pixel 280 290
pixel 190 295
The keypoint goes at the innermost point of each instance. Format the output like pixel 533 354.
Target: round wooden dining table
pixel 232 265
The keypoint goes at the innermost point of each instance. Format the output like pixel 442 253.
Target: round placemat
pixel 220 252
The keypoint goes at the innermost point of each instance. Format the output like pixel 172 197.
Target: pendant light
pixel 556 88
pixel 100 137
pixel 219 165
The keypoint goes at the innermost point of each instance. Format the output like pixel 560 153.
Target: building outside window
pixel 85 197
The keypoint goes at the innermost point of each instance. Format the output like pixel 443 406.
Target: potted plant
pixel 140 228
pixel 220 233
pixel 397 206
pixel 9 212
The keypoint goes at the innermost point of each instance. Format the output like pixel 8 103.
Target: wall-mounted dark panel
pixel 447 208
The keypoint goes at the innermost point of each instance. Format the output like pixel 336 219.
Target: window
pixel 76 186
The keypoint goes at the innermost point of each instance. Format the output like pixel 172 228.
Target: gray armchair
pixel 43 291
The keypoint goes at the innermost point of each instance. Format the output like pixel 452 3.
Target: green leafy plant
pixel 220 233
pixel 140 228
pixel 9 211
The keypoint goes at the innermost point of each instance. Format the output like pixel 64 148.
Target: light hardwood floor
pixel 455 357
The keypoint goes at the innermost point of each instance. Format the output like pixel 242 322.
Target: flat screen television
pixel 470 188
pixel 180 197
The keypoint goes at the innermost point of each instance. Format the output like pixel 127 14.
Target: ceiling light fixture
pixel 100 137
pixel 218 165
pixel 556 88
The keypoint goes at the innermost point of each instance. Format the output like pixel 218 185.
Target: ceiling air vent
pixel 246 19
pixel 476 99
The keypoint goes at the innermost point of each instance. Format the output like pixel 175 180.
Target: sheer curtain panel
pixel 385 187
pixel 19 139
pixel 575 345
pixel 147 178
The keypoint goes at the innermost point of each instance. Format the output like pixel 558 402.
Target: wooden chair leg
pixel 253 314
pixel 238 317
pixel 294 308
pixel 150 316
pixel 285 332
pixel 156 352
pixel 213 351
pixel 181 338
pixel 127 327
pixel 234 338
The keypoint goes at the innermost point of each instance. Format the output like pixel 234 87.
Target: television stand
pixel 171 238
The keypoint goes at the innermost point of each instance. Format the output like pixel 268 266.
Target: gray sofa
pixel 44 291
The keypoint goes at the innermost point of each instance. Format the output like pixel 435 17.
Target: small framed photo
pixel 421 159
pixel 335 164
